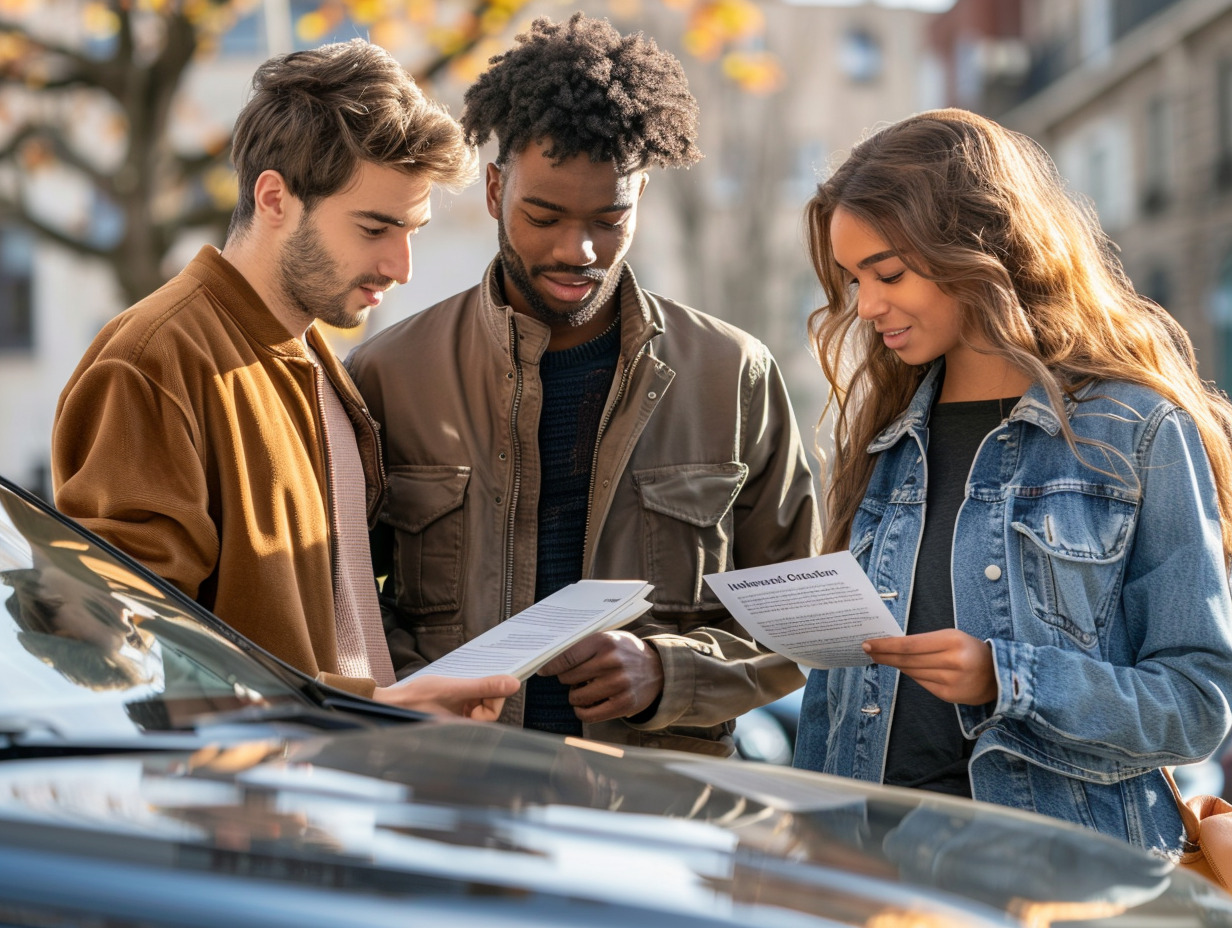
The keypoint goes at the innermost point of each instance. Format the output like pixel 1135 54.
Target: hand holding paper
pixel 818 611
pixel 523 643
pixel 611 675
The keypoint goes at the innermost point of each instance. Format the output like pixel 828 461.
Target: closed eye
pixel 373 232
pixel 891 278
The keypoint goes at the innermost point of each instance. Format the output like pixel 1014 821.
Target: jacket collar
pixel 240 301
pixel 641 317
pixel 1033 407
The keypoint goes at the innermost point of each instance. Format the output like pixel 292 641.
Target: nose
pixel 396 263
pixel 574 246
pixel 869 303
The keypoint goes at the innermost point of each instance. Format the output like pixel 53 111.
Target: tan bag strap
pixel 1193 828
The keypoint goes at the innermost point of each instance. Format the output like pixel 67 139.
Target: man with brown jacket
pixel 557 422
pixel 209 431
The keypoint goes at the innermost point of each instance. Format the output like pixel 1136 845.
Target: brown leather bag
pixel 1208 827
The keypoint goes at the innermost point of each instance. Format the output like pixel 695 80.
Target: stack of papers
pixel 523 643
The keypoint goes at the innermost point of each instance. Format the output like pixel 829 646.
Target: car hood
pixel 470 823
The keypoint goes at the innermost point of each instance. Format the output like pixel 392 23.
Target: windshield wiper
pixel 14 728
pixel 28 736
pixel 293 714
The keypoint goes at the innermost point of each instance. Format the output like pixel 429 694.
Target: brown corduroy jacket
pixel 191 437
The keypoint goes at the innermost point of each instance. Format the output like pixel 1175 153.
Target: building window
pixel 807 172
pixel 1098 185
pixel 1158 148
pixel 1220 311
pixel 16 272
pixel 1223 163
pixel 1095 28
pixel 860 55
pixel 1158 287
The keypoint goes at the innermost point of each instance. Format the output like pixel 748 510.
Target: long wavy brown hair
pixel 981 211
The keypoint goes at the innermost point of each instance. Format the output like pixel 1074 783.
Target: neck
pixel 253 260
pixel 971 376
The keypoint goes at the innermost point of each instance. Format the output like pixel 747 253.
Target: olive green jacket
pixel 698 468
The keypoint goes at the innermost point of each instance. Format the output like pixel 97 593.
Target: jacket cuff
pixel 677 654
pixel 359 686
pixel 1013 664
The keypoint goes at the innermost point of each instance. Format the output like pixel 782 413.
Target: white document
pixel 816 611
pixel 523 643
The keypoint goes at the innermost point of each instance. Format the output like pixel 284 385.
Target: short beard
pixel 516 272
pixel 309 279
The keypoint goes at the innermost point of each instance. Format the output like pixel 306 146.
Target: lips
pixel 894 338
pixel 569 289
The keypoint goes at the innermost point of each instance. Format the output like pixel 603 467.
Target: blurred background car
pixel 158 770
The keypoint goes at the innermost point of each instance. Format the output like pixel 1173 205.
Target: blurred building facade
pixel 1133 99
pixel 725 236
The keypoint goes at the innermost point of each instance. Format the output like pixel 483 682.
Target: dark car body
pixel 182 777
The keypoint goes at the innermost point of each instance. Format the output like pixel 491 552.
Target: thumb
pixel 502 684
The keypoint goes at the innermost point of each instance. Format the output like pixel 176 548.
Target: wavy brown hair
pixel 314 116
pixel 982 212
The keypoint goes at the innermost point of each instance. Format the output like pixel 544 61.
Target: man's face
pixel 354 245
pixel 563 230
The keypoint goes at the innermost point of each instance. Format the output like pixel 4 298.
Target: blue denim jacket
pixel 1105 601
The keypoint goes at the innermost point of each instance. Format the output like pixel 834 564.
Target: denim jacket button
pixel 992 572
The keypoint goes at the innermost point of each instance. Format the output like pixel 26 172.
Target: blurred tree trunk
pixel 143 192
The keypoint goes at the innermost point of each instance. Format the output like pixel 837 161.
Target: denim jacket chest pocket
pixel 687 528
pixel 1071 544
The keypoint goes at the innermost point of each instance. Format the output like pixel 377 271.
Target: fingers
pixel 575 656
pixel 487 710
pixel 612 675
pixel 906 645
pixel 950 664
pixel 483 697
pixel 501 685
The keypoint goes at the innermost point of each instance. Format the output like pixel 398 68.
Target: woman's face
pixel 914 318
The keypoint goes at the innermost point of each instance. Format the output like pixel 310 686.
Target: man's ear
pixel 493 189
pixel 275 204
pixel 641 187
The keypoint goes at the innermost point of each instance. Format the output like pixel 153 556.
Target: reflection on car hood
pixel 483 824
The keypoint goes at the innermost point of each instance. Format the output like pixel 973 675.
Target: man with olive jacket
pixel 557 422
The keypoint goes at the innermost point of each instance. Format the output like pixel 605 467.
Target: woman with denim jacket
pixel 1032 474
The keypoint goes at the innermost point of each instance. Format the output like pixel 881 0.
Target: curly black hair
pixel 585 88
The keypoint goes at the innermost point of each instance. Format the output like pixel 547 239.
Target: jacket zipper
pixel 516 454
pixel 625 377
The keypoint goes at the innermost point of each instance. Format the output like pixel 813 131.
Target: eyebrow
pixel 377 216
pixel 556 208
pixel 879 256
pixel 872 259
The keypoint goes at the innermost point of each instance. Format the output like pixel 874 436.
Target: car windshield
pixel 95 648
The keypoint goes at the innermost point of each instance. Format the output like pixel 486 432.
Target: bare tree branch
pixel 16 210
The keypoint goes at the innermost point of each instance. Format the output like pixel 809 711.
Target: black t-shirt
pixel 927 749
